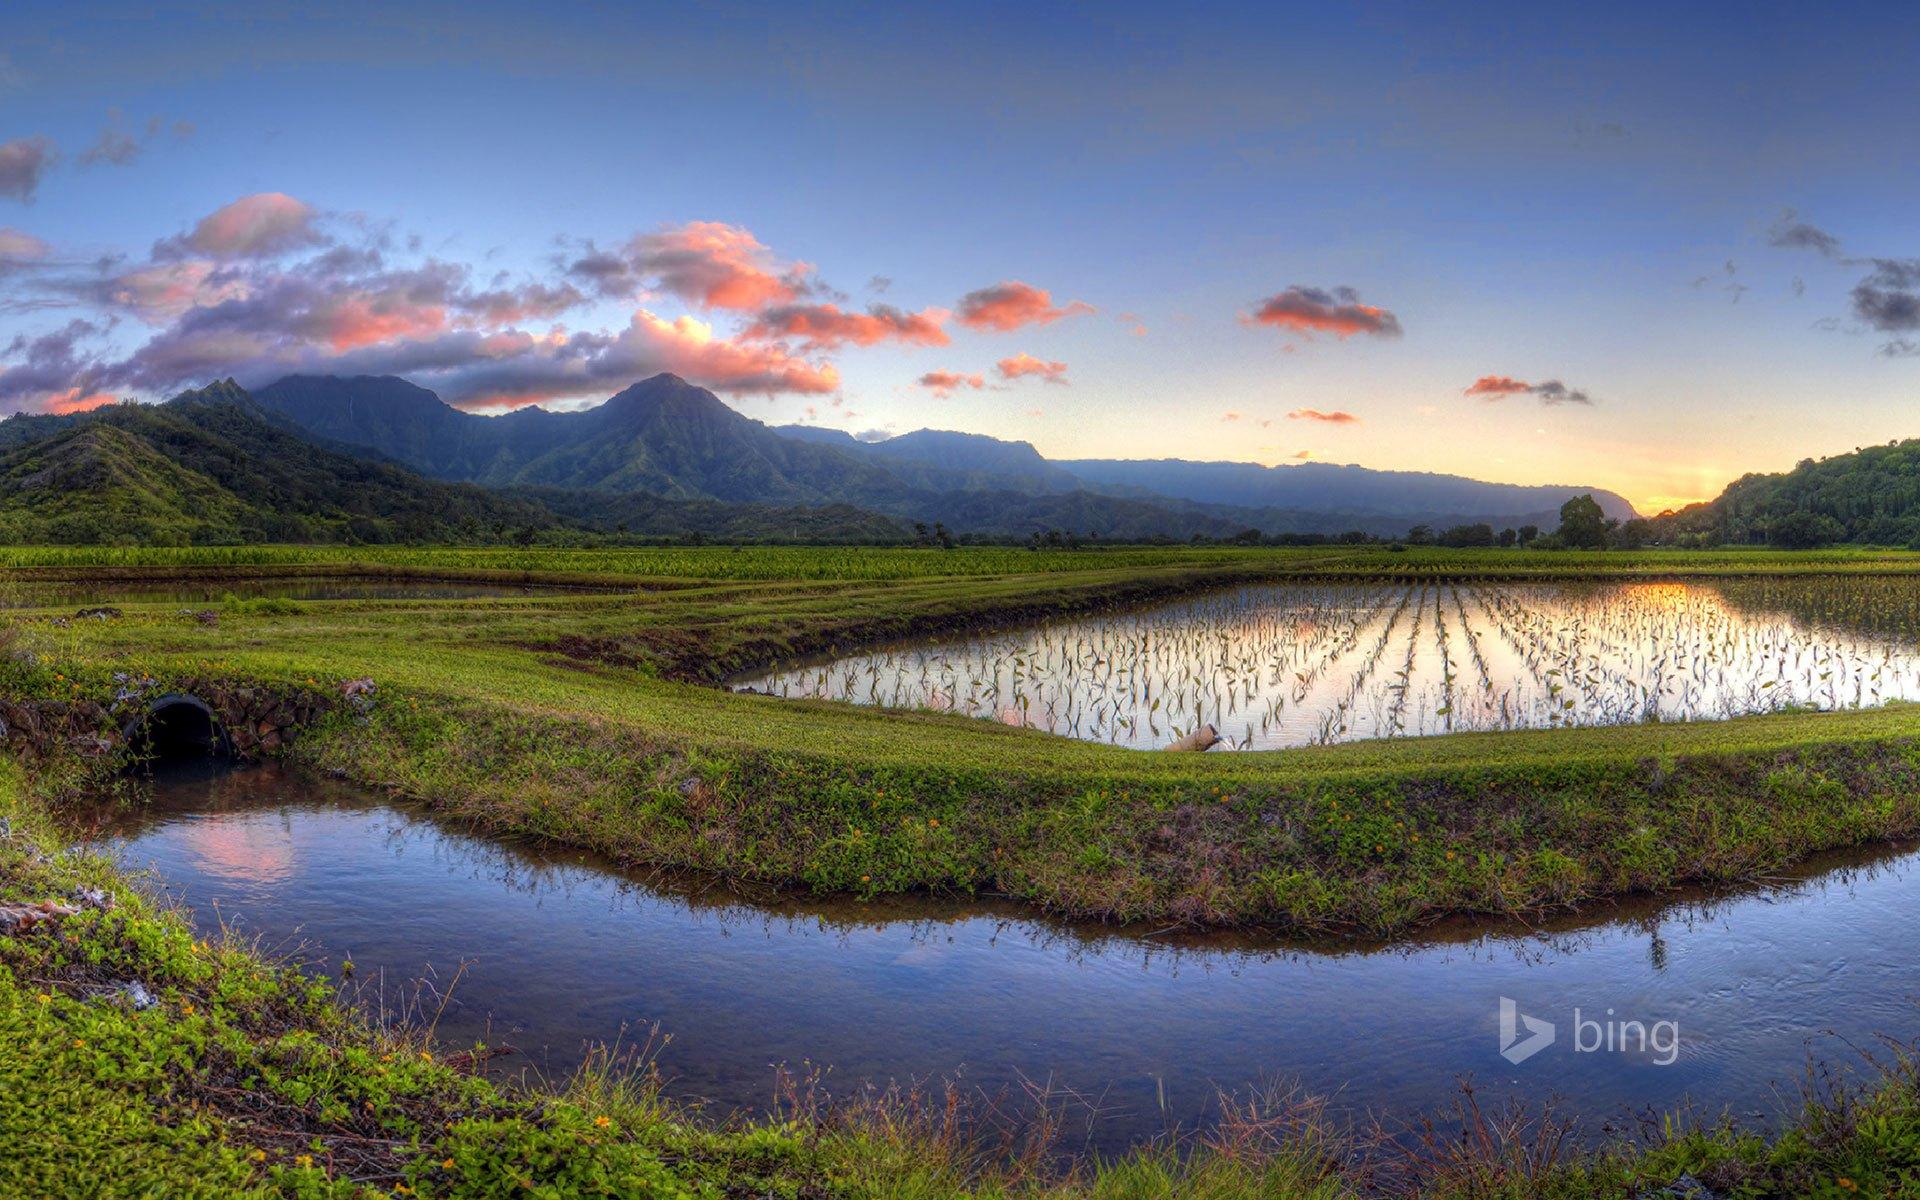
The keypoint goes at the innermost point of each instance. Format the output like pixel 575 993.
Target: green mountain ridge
pixel 1871 495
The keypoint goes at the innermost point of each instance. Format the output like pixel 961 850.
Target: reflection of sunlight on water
pixel 242 851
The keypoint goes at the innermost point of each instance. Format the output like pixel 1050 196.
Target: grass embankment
pixel 139 1060
pixel 566 718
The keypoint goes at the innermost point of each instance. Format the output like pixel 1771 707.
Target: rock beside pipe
pixel 1204 738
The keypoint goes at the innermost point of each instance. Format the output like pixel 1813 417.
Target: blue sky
pixel 1534 196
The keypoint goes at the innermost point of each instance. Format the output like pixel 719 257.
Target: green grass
pixel 577 718
pixel 768 563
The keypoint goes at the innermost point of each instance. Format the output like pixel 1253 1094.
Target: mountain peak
pixel 220 391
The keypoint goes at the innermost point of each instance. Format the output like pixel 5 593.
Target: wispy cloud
pixel 1549 392
pixel 1331 418
pixel 827 326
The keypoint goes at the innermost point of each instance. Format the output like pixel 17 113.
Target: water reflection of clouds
pixel 255 851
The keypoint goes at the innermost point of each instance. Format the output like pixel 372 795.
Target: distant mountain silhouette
pixel 663 436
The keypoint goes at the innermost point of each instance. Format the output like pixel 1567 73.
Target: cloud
pixel 1012 305
pixel 1791 233
pixel 114 146
pixel 827 326
pixel 1495 386
pixel 1901 348
pixel 19 251
pixel 873 435
pixel 1303 454
pixel 1550 392
pixel 1229 417
pixel 1888 299
pixel 38 371
pixel 1022 365
pixel 1331 418
pixel 706 263
pixel 22 162
pixel 945 383
pixel 1310 310
pixel 266 225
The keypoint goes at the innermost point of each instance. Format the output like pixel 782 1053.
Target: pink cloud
pixel 1007 306
pixel 164 291
pixel 1308 310
pixel 945 383
pixel 707 263
pixel 1330 418
pixel 259 226
pixel 19 247
pixel 1021 365
pixel 1495 386
pixel 827 326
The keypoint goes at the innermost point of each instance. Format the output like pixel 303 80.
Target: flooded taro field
pixel 1283 665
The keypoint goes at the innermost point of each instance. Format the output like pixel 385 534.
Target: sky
pixel 1649 248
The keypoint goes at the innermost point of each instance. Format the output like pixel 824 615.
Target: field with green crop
pixel 768 563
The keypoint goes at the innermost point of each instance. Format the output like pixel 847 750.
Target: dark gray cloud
pixel 1888 299
pixel 1554 392
pixel 1791 233
pixel 22 162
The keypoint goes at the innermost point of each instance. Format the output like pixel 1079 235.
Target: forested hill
pixel 1871 496
pixel 212 466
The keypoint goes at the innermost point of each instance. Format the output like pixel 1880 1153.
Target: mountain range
pixel 320 458
pixel 667 437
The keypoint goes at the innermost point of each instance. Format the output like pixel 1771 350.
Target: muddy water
pixel 1274 666
pixel 556 950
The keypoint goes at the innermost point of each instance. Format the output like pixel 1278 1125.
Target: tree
pixel 1528 533
pixel 1805 530
pixel 1635 533
pixel 1583 524
pixel 1468 535
pixel 1420 535
pixel 1507 538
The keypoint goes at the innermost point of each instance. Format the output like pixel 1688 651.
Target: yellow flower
pixel 44 998
pixel 446 1164
pixel 79 1043
pixel 603 1122
pixel 258 1156
pixel 303 1160
pixel 1847 1184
